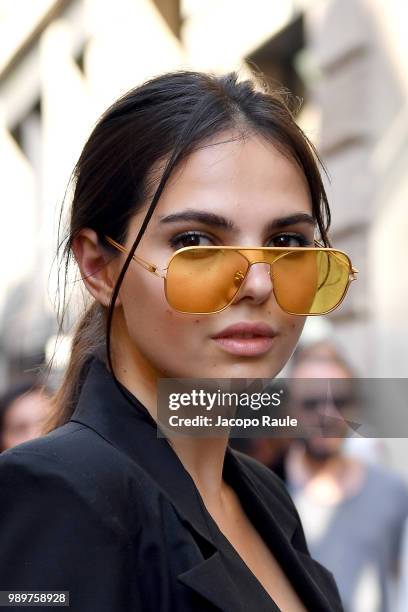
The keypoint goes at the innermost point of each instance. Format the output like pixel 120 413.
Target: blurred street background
pixel 62 62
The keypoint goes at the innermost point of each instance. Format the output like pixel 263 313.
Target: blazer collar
pixel 129 427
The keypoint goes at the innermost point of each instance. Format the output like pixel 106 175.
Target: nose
pixel 257 285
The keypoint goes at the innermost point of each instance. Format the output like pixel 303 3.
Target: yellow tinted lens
pixel 309 281
pixel 204 280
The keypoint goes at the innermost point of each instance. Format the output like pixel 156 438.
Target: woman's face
pixel 233 193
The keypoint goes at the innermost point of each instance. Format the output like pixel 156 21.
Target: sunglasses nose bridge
pixel 255 283
pixel 266 263
pixel 260 257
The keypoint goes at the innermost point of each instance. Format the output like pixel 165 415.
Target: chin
pixel 247 372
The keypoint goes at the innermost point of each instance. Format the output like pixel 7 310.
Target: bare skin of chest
pixel 233 522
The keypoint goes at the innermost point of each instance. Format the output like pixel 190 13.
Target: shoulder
pixel 384 478
pixel 385 485
pixel 70 451
pixel 388 491
pixel 60 528
pixel 71 469
pixel 73 450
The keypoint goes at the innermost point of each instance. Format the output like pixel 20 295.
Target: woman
pixel 100 506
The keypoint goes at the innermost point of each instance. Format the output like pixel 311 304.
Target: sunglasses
pixel 206 279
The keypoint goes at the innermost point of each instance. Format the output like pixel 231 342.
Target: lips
pixel 246 330
pixel 246 339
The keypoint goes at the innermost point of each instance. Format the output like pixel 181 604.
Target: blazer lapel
pixel 278 527
pixel 128 426
pixel 210 580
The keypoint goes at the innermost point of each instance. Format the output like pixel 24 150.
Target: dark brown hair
pixel 164 119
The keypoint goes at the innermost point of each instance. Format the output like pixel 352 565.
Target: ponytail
pixel 88 341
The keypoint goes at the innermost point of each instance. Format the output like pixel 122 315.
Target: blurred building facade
pixel 62 62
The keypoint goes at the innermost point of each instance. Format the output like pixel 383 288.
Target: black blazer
pixel 103 508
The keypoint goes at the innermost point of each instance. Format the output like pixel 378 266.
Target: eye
pixel 190 239
pixel 290 240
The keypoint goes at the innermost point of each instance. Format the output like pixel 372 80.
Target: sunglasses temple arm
pixel 353 270
pixel 148 266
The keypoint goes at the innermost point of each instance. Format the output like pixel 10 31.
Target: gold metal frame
pixel 162 272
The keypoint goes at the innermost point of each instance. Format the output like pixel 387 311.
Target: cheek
pixel 291 327
pixel 145 307
pixel 295 327
pixel 159 332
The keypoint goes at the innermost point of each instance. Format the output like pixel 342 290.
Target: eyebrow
pixel 226 224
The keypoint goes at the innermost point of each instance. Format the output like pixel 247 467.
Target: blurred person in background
pixel 372 450
pixel 24 409
pixel 353 511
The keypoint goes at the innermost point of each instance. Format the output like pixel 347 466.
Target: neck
pixel 203 458
pixel 131 368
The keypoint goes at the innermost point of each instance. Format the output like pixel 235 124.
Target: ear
pixel 97 272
